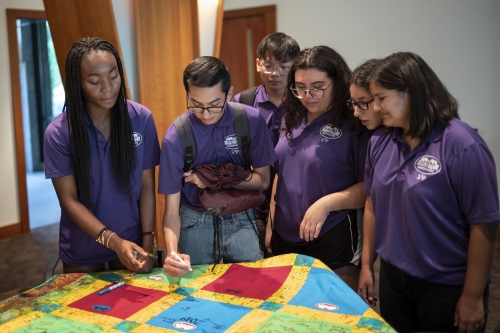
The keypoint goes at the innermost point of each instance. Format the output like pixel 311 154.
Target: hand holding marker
pixel 179 259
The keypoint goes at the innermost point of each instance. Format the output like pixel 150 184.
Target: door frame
pixel 269 13
pixel 23 226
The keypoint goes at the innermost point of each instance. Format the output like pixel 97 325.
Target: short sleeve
pixel 473 178
pixel 56 151
pixel 171 163
pixel 361 148
pixel 151 144
pixel 261 147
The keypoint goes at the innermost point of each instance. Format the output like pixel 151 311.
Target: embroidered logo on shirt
pixel 428 165
pixel 231 143
pixel 328 132
pixel 137 138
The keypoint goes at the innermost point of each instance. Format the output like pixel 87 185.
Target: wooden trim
pixel 271 9
pixel 195 28
pixel 15 82
pixel 218 28
pixel 11 230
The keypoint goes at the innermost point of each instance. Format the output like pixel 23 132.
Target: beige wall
pixel 459 39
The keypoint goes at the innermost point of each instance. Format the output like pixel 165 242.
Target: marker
pixel 151 255
pixel 179 259
pixel 118 285
pixel 147 253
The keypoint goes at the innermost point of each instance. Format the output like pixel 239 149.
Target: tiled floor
pixel 23 260
pixel 43 205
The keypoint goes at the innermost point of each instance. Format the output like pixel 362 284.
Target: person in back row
pixel 275 54
pixel 186 223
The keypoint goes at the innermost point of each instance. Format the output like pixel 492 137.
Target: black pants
pixel 335 248
pixel 411 304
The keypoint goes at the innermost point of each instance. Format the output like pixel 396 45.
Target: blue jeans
pixel 238 237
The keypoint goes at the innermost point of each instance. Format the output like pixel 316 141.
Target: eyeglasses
pixel 315 92
pixel 361 105
pixel 210 109
pixel 280 69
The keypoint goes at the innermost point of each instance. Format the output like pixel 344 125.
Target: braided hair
pixel 123 155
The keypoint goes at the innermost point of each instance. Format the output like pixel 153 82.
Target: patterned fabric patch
pixel 200 315
pixel 327 292
pixel 124 301
pixel 126 326
pixel 259 283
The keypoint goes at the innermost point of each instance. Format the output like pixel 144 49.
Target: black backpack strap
pixel 186 136
pixel 247 97
pixel 242 129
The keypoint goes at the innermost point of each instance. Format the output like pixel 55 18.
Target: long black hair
pixel 431 104
pixel 324 59
pixel 123 155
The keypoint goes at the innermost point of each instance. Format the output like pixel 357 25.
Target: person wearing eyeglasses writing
pixel 191 229
pixel 320 166
pixel 275 54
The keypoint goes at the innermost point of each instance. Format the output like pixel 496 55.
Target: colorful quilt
pixel 289 293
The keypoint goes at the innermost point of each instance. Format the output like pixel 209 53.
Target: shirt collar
pixel 262 97
pixel 435 135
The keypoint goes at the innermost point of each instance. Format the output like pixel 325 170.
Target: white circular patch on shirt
pixel 428 165
pixel 137 138
pixel 327 306
pixel 182 325
pixel 328 132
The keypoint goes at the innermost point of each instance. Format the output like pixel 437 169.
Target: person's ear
pixel 230 93
pixel 257 64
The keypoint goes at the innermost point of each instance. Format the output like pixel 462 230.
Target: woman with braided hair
pixel 100 154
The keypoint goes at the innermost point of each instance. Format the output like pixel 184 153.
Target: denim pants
pixel 239 241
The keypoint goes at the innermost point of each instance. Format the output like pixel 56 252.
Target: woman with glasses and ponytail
pixel 100 154
pixel 361 101
pixel 320 166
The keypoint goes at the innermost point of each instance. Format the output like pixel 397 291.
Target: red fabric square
pixel 123 301
pixel 259 283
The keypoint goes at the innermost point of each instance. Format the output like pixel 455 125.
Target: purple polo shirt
pixel 114 209
pixel 215 143
pixel 272 115
pixel 319 160
pixel 425 200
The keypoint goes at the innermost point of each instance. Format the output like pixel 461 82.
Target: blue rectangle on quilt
pixel 199 315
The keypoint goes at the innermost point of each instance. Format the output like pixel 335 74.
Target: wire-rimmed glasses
pixel 315 92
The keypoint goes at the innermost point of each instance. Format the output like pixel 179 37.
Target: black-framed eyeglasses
pixel 315 92
pixel 210 109
pixel 361 105
pixel 280 69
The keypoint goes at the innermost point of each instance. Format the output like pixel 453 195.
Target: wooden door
pixel 242 31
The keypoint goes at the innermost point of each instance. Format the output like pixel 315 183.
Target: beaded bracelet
pixel 100 236
pixel 107 243
pixel 148 233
